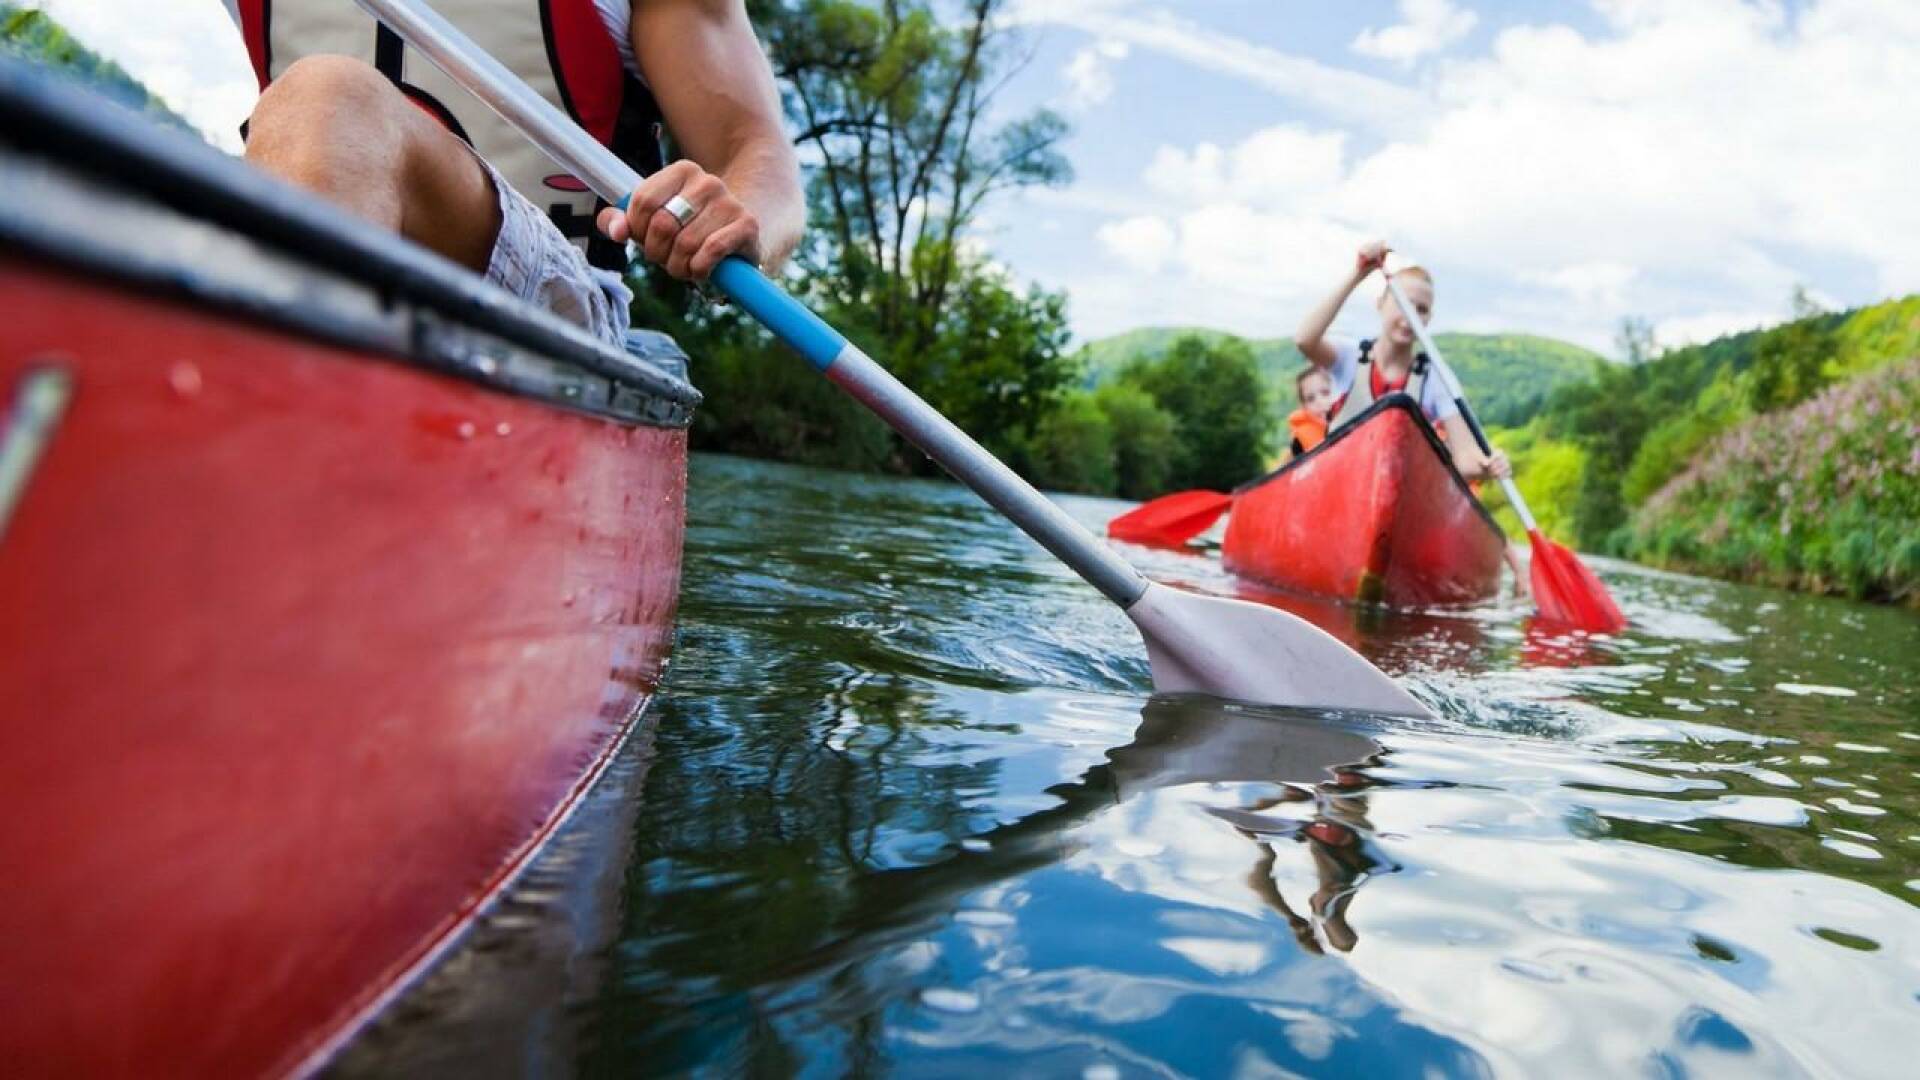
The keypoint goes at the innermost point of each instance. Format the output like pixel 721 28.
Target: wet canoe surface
pixel 329 582
pixel 1376 514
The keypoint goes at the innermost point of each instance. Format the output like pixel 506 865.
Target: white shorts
pixel 534 260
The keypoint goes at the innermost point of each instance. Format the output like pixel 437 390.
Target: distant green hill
pixel 29 34
pixel 1507 375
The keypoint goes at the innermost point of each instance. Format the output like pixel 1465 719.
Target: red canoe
pixel 1376 514
pixel 330 578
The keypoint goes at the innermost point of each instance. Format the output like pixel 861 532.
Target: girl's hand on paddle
pixel 720 225
pixel 1498 466
pixel 1371 256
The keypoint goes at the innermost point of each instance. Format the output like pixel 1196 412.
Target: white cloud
pixel 1144 243
pixel 1377 103
pixel 186 51
pixel 1601 284
pixel 1689 164
pixel 1426 26
pixel 1089 73
pixel 1273 164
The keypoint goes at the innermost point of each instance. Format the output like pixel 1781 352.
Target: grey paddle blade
pixel 1250 652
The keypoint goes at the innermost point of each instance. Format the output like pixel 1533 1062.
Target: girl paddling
pixel 1365 371
pixel 1389 361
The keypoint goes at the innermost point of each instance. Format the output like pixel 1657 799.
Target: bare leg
pixel 339 128
pixel 1519 567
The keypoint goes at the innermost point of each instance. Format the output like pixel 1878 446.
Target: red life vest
pixel 1375 386
pixel 560 47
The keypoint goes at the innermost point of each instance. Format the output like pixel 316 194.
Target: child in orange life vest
pixel 1309 422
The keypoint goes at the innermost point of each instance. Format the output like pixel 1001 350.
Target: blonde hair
pixel 1411 270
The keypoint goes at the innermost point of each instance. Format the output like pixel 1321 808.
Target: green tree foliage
pixel 30 34
pixel 1073 448
pixel 1673 441
pixel 1639 426
pixel 1115 440
pixel 1220 407
pixel 1825 496
pixel 894 108
pixel 1790 364
pixel 1508 376
pixel 1546 470
pixel 1146 440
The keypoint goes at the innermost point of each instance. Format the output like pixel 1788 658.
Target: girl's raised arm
pixel 1311 337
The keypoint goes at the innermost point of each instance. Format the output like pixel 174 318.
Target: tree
pixel 32 35
pixel 892 108
pixel 1215 395
pixel 1146 440
pixel 1635 340
pixel 1072 448
pixel 891 104
pixel 1790 363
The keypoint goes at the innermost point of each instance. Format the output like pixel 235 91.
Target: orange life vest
pixel 1308 430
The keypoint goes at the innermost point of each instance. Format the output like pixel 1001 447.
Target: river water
pixel 911 810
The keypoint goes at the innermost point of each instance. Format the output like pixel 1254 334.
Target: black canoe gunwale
pixel 1395 400
pixel 104 191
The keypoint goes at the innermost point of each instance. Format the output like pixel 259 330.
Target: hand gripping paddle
pixel 1195 644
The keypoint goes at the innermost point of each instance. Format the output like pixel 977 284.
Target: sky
pixel 1557 166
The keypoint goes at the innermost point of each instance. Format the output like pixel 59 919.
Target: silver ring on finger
pixel 681 209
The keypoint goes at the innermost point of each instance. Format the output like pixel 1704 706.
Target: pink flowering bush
pixel 1824 496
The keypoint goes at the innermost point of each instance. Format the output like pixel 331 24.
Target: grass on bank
pixel 1824 497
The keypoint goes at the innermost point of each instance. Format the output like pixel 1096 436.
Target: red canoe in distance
pixel 330 579
pixel 1375 514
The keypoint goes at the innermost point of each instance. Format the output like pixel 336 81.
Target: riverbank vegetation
pixel 1782 455
pixel 1785 455
pixel 27 33
pixel 1823 497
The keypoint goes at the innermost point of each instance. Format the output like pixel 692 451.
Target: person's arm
pixel 1311 337
pixel 717 93
pixel 1467 458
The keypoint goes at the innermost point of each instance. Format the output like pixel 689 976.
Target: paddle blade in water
pixel 1251 652
pixel 1568 593
pixel 1170 520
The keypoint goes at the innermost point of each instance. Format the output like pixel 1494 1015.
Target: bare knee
pixel 339 128
pixel 323 115
pixel 323 90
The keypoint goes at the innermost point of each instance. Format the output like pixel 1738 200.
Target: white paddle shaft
pixel 1198 644
pixel 1459 395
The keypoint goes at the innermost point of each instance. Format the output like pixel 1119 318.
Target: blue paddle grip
pixel 789 320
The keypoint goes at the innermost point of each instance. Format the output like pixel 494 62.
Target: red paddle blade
pixel 1568 593
pixel 1170 520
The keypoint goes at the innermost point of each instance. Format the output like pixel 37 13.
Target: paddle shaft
pixel 824 347
pixel 1459 396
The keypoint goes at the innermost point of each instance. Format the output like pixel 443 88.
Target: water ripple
pixel 914 812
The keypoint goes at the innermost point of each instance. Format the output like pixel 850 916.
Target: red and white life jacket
pixel 1369 386
pixel 560 47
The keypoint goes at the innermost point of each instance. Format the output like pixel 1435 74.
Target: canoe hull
pixel 303 653
pixel 1374 515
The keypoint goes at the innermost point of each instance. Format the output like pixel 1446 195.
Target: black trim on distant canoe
pixel 102 189
pixel 1395 400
